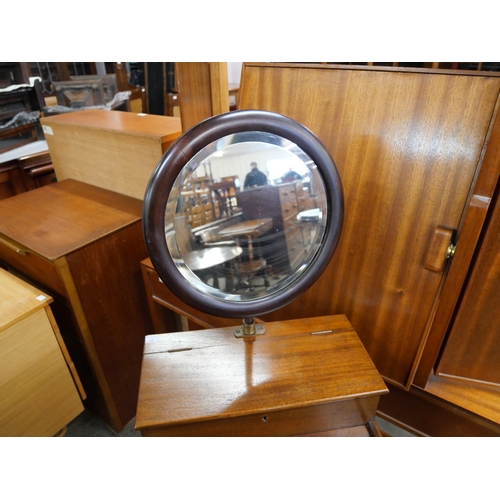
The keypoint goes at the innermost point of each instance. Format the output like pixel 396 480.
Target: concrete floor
pixel 89 425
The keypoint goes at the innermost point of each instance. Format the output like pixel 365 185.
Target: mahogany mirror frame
pixel 179 155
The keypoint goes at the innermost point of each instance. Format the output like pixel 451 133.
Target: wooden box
pixel 302 377
pixel 115 150
pixel 38 383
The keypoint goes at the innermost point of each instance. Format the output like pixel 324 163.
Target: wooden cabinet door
pixel 408 145
pixel 472 350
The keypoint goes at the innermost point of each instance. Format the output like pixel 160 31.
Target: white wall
pixel 234 73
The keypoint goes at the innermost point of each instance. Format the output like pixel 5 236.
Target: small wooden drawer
pixel 290 208
pixel 287 191
pixel 31 264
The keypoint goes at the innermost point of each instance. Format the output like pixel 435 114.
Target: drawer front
pixel 289 422
pixel 32 265
pixel 288 200
pixel 290 209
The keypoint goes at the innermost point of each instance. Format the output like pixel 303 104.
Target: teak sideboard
pixel 83 246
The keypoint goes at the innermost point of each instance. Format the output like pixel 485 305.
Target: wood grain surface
pixel 472 350
pixel 38 396
pixel 302 376
pixel 60 218
pixel 408 145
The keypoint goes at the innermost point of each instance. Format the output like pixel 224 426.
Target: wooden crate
pixel 115 150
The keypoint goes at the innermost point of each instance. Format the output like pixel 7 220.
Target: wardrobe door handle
pixel 440 249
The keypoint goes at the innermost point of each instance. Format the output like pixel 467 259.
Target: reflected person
pixel 291 176
pixel 255 177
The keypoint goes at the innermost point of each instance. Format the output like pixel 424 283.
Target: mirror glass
pixel 246 216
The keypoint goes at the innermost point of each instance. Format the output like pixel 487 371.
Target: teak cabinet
pixel 83 245
pixel 115 150
pixel 40 391
pixel 418 153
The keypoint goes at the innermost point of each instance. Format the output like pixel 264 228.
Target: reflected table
pixel 302 377
pixel 205 258
pixel 250 230
pixel 207 262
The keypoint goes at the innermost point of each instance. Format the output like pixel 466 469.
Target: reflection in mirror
pixel 246 216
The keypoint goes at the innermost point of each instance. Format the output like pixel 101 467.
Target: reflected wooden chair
pixel 195 216
pixel 247 270
pixel 207 212
pixel 224 195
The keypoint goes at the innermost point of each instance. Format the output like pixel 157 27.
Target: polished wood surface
pixel 436 258
pixel 114 150
pixel 408 145
pixel 93 271
pixel 11 181
pixel 38 395
pixel 469 234
pixel 301 377
pixel 426 414
pixel 479 398
pixel 86 217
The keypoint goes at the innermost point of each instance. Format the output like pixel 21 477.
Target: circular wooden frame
pixel 176 158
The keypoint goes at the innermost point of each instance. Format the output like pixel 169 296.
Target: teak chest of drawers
pixel 282 203
pixel 302 377
pixel 39 387
pixel 83 245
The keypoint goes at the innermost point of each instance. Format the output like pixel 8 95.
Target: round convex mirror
pixel 243 213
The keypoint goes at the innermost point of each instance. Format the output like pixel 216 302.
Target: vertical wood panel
pixel 118 338
pixel 407 146
pixel 473 347
pixel 203 91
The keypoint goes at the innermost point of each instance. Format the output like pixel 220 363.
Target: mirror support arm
pixel 250 328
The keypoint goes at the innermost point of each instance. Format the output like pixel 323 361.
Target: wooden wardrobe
pixel 417 268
